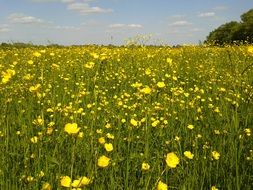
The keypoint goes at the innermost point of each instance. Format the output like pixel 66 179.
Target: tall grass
pixel 112 94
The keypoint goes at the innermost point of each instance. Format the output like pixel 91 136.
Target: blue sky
pixel 114 21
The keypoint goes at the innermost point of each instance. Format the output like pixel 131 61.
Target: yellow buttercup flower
pixel 188 154
pixel 161 84
pixel 49 130
pixel 136 85
pixel 35 88
pixel 41 174
pixel 101 140
pixel 6 79
pixel 89 65
pixel 247 131
pixel 103 161
pixel 146 90
pixel 46 186
pixel 172 160
pixel 11 72
pixel 36 54
pixel 30 62
pixel 162 186
pixel 169 60
pixel 134 122
pixel 85 180
pixel 65 181
pixel 250 49
pixel 145 166
pixel 34 139
pixel 7 75
pixel 108 147
pixel 174 78
pixel 217 110
pixel 148 71
pixel 30 178
pixel 108 126
pixel 190 126
pixel 76 183
pixel 38 121
pixel 215 155
pixel 71 128
pixel 214 188
pixel 109 136
pixel 28 77
pixel 94 55
pixel 155 123
pixel 80 182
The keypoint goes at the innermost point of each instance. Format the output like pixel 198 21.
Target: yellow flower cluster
pixel 7 75
pixel 146 116
pixel 75 184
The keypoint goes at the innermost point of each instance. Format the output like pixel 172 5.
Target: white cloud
pixel 180 23
pixel 135 25
pixel 4 28
pixel 85 8
pixel 125 26
pixel 25 19
pixel 207 14
pixel 82 7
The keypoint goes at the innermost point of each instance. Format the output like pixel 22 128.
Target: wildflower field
pixel 126 118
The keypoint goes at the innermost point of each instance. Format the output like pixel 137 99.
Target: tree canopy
pixel 233 32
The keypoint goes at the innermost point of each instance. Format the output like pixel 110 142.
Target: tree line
pixel 233 32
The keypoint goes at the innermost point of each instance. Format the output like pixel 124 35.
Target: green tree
pixel 233 31
pixel 247 17
pixel 223 34
pixel 247 25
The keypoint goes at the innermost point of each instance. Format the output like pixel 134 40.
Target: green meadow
pixel 126 118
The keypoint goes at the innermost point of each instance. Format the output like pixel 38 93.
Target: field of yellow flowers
pixel 126 118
